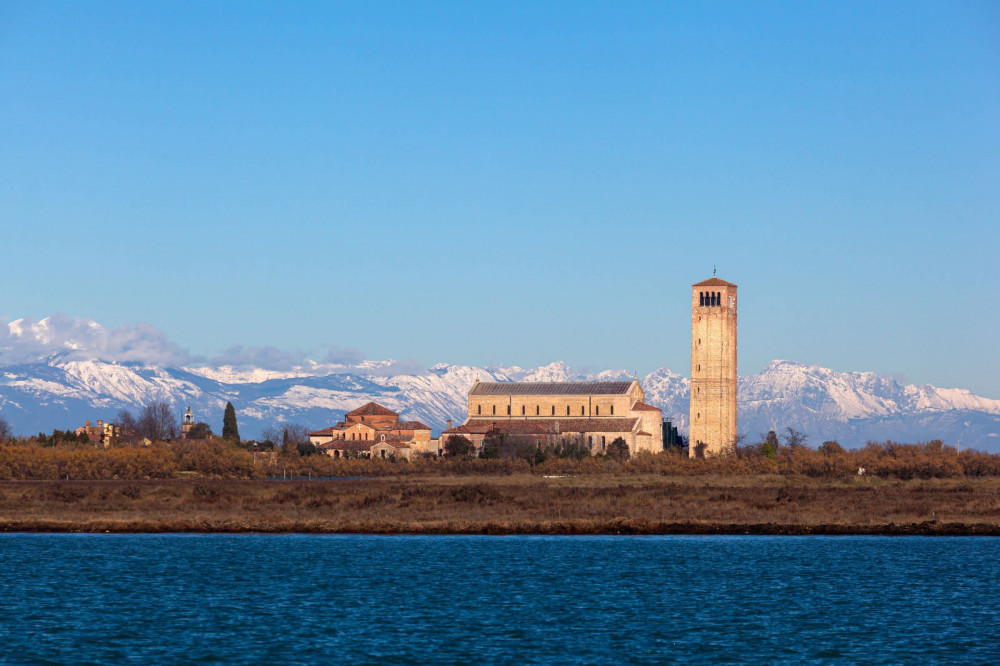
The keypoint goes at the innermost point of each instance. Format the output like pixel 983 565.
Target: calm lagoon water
pixel 307 599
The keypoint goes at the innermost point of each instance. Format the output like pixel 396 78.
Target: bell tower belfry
pixel 713 367
pixel 187 423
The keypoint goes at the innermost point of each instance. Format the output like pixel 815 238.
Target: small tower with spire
pixel 187 423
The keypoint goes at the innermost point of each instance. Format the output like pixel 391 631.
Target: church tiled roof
pixel 397 441
pixel 551 388
pixel 402 425
pixel 643 407
pixel 372 409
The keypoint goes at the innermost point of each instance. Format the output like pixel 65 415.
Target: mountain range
pixel 60 381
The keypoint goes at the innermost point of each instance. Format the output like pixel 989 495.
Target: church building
pixel 374 431
pixel 595 413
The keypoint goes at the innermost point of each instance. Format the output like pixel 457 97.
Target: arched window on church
pixel 701 298
pixel 567 410
pixel 553 410
pixel 590 441
pixel 479 409
pixel 508 410
pixel 597 410
pixel 583 410
pixel 522 410
pixel 612 410
pixel 537 410
pixel 494 410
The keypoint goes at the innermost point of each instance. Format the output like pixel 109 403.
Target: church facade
pixel 593 413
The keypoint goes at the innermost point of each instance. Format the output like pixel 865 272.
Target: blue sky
pixel 512 183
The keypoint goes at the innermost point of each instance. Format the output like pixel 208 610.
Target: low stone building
pixel 345 448
pixel 103 434
pixel 392 447
pixel 592 413
pixel 373 424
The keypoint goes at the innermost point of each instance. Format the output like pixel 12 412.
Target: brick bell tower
pixel 713 367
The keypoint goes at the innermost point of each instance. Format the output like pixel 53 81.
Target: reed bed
pixel 519 503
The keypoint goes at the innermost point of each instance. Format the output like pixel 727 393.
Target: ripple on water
pixel 303 599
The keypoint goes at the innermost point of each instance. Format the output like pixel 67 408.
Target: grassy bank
pixel 515 504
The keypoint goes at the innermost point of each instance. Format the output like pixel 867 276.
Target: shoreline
pixel 929 529
pixel 519 504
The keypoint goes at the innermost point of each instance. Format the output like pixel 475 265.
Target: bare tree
pixel 6 432
pixel 157 422
pixel 286 435
pixel 126 427
pixel 794 438
pixel 295 433
pixel 734 448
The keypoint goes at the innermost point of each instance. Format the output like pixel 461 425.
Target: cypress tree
pixel 229 427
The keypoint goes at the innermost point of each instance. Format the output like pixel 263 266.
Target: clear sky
pixel 510 182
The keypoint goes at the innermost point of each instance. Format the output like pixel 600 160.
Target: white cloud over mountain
pixel 26 340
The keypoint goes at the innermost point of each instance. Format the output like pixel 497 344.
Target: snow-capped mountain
pixel 50 378
pixel 851 407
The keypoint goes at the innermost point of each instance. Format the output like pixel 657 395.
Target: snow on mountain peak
pixel 60 387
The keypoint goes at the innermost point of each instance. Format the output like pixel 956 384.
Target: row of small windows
pixel 538 410
pixel 709 298
pixel 344 436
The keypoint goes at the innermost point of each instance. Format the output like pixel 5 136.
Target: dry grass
pixel 515 504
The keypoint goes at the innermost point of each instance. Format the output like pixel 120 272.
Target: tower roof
pixel 713 282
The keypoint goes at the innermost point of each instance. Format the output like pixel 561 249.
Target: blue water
pixel 307 599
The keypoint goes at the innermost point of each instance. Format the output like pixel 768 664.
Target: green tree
pixel 200 430
pixel 230 430
pixel 457 445
pixel 306 448
pixel 769 447
pixel 618 449
pixel 493 446
pixel 831 448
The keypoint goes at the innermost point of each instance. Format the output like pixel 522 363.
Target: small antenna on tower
pixel 713 270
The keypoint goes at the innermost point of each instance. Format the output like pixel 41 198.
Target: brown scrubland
pixel 214 486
